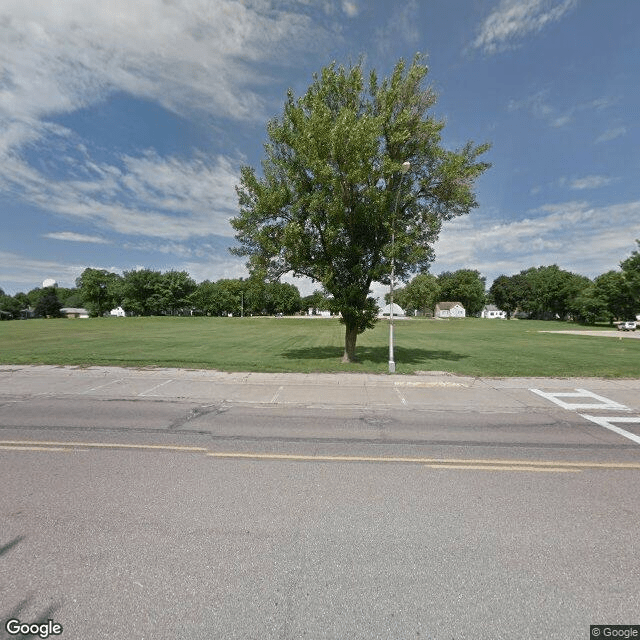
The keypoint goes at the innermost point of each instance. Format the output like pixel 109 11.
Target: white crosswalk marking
pixel 605 421
pixel 601 403
pixel 581 394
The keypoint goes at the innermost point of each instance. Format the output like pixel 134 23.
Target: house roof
pixel 448 305
pixel 397 310
pixel 73 310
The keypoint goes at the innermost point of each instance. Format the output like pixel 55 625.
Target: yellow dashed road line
pixel 485 464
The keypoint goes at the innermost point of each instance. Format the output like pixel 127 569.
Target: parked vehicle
pixel 629 325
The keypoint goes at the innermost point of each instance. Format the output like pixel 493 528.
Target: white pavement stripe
pixel 102 386
pixel 605 421
pixel 148 391
pixel 275 395
pixel 402 398
pixel 602 402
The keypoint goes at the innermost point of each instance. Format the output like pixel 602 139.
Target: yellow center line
pixel 428 461
pixel 560 466
pixel 14 448
pixel 491 467
pixel 103 445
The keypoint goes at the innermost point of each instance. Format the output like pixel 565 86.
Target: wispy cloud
pixel 151 196
pixel 400 27
pixel 350 8
pixel 591 182
pixel 70 236
pixel 190 56
pixel 186 55
pixel 611 134
pixel 576 184
pixel 540 106
pixel 513 20
pixel 575 235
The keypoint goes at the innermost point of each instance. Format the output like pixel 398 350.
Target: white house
pixel 449 310
pixel 118 312
pixel 73 312
pixel 315 311
pixel 491 311
pixel 398 311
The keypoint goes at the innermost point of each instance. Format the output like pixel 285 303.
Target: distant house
pixel 73 312
pixel 118 312
pixel 398 311
pixel 449 310
pixel 491 311
pixel 316 311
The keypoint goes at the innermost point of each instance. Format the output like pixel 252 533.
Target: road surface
pixel 176 504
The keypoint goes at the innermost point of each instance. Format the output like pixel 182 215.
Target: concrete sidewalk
pixel 436 390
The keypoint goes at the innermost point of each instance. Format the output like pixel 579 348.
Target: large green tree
pixel 549 292
pixel 420 294
pixel 175 288
pixel 631 271
pixel 48 304
pixel 141 292
pixel 99 290
pixel 506 292
pixel 332 195
pixel 9 306
pixel 465 286
pixel 614 291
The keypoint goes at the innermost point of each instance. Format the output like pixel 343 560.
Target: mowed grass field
pixel 471 346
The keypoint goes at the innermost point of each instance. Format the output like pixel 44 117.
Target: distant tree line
pixel 545 293
pixel 146 292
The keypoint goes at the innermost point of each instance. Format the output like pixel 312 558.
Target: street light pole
pixel 392 365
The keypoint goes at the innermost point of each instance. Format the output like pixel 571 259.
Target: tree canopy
pixel 465 286
pixel 332 195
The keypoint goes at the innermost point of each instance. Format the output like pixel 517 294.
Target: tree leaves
pixel 332 197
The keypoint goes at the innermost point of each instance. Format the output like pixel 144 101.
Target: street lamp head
pixel 405 166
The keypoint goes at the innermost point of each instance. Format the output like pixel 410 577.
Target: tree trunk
pixel 350 337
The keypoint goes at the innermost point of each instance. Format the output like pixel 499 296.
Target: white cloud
pixel 19 273
pixel 576 236
pixel 148 196
pixel 512 20
pixel 190 56
pixel 75 237
pixel 350 8
pixel 611 134
pixel 591 182
pixel 185 54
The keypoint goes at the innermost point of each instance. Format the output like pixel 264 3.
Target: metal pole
pixel 392 365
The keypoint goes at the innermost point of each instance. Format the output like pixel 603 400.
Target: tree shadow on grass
pixel 376 355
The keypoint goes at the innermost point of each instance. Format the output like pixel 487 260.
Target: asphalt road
pixel 188 505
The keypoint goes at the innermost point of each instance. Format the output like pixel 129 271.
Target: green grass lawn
pixel 470 347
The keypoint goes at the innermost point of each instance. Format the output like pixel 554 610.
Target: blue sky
pixel 123 124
